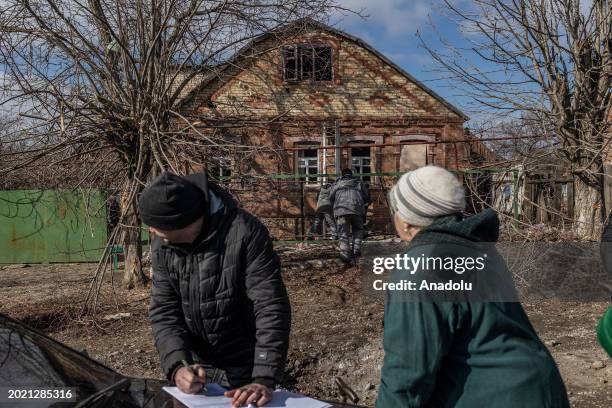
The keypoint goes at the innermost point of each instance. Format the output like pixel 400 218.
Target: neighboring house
pixel 292 93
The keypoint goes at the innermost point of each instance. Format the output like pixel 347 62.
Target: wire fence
pixel 287 202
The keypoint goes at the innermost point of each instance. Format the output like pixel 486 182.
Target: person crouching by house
pixel 461 354
pixel 349 197
pixel 324 214
pixel 218 301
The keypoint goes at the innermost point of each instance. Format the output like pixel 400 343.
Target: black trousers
pixel 350 233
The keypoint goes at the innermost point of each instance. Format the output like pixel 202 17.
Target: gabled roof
pixel 231 67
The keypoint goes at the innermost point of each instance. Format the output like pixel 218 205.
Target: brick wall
pixel 363 85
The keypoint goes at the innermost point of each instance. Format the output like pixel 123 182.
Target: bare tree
pixel 6 124
pixel 550 60
pixel 105 80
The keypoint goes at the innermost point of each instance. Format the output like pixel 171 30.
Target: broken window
pixel 361 161
pixel 307 62
pixel 308 163
pixel 322 63
pixel 290 64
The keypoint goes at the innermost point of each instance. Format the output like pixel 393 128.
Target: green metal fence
pixel 52 226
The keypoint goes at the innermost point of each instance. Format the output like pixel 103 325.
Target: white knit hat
pixel 422 195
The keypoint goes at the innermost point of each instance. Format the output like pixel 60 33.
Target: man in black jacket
pixel 218 300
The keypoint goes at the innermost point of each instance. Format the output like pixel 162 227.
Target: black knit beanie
pixel 170 202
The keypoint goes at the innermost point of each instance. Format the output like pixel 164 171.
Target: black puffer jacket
pixel 222 300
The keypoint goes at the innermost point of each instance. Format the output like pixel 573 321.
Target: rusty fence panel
pixel 52 225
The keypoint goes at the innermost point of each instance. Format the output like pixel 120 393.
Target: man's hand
pixel 253 393
pixel 190 380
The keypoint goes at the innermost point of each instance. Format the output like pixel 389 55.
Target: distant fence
pixel 52 226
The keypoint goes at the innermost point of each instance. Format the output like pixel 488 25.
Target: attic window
pixel 307 62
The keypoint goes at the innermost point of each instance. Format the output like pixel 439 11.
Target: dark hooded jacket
pixel 349 195
pixel 463 354
pixel 221 300
pixel 323 202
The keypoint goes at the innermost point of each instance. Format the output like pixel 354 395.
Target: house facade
pixel 299 104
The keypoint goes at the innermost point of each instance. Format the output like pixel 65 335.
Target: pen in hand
pixel 192 371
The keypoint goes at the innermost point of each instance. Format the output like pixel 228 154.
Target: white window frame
pixel 307 163
pixel 358 161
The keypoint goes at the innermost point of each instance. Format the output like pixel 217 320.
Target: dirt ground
pixel 335 332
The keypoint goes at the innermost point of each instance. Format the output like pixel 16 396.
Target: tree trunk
pixel 588 210
pixel 132 247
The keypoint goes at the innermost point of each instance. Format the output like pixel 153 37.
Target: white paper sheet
pixel 214 398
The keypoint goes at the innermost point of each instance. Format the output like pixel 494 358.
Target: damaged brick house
pixel 305 101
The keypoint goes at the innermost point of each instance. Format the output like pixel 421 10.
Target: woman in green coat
pixel 604 327
pixel 457 353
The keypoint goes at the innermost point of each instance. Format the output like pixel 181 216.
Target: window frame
pixel 366 179
pixel 292 52
pixel 426 154
pixel 304 147
pixel 284 52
